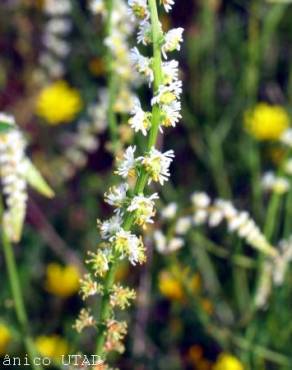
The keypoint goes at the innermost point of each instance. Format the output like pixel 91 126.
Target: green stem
pixel 105 311
pixel 288 214
pixel 18 299
pixel 111 80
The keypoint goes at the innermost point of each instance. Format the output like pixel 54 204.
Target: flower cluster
pixel 16 171
pixel 117 43
pixel 131 205
pixel 57 28
pixel 239 222
pixel 168 94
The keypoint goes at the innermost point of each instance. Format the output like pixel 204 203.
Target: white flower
pixel 160 241
pixel 110 227
pixel 170 114
pixel 172 41
pixel 58 26
pixel 265 285
pixel 58 46
pixel 175 244
pixel 288 167
pixel 129 245
pixel 127 165
pixel 200 200
pixel 55 68
pixel 97 7
pixel 7 118
pixel 169 211
pixel 286 137
pixel 170 71
pixel 168 4
pixel 167 94
pixel 215 218
pixel 141 121
pixel 157 165
pixel 282 260
pixel 200 216
pixel 142 64
pixel 143 208
pixel 117 195
pixel 139 9
pixel 12 170
pixel 183 225
pixel 226 207
pixel 57 7
pixel 277 184
pixel 144 33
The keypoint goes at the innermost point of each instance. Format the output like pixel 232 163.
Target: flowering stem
pixel 142 179
pixel 18 299
pixel 112 79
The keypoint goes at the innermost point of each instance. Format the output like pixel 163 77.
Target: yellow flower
pixel 62 281
pixel 227 362
pixel 171 283
pixel 170 287
pixel 52 346
pixel 5 338
pixel 58 103
pixel 266 122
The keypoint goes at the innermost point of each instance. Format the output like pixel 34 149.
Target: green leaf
pixel 36 180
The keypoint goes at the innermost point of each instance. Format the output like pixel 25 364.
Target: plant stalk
pixel 104 314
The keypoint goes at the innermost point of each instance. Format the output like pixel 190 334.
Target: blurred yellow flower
pixel 5 338
pixel 266 122
pixel 52 346
pixel 62 281
pixel 58 103
pixel 170 287
pixel 227 362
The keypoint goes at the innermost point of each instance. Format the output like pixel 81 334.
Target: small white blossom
pixel 170 114
pixel 58 26
pixel 143 208
pixel 129 245
pixel 57 7
pixel 288 167
pixel 277 184
pixel 157 165
pixel 175 244
pixel 169 212
pixel 265 285
pixel 282 260
pixel 117 195
pixel 167 94
pixel 183 225
pixel 168 4
pixel 144 34
pixel 200 200
pixel 141 121
pixel 160 241
pixel 172 41
pixel 286 137
pixel 200 217
pixel 127 165
pixel 142 64
pixel 110 227
pixel 170 71
pixel 139 9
